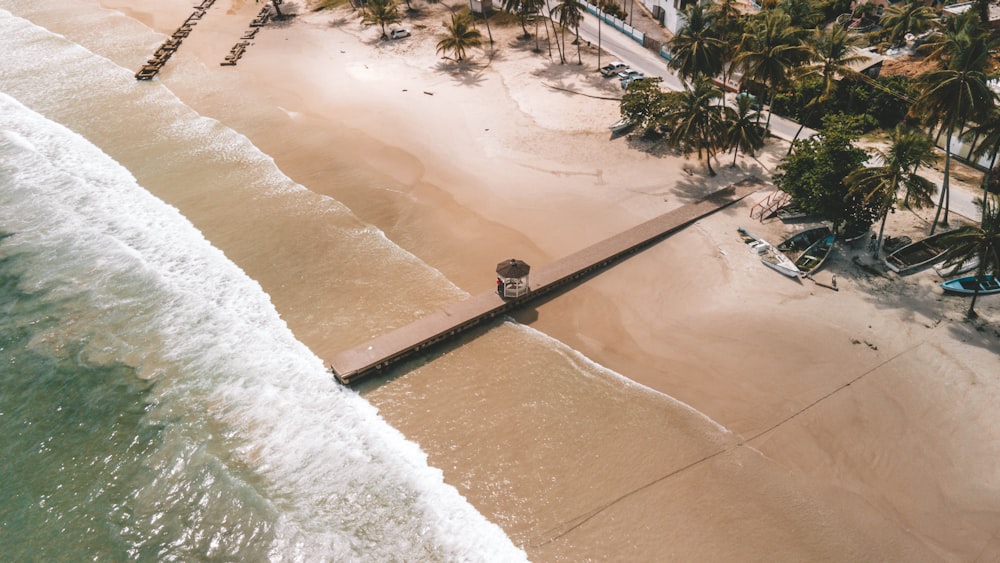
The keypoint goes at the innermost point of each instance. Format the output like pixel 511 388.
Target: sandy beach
pixel 730 414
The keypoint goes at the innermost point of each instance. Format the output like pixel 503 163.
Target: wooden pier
pixel 376 355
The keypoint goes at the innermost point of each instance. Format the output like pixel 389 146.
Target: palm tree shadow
pixel 978 332
pixel 342 20
pixel 920 304
pixel 696 183
pixel 651 143
pixel 465 73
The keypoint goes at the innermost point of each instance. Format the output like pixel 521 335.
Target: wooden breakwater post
pixel 167 49
pixel 240 47
pixel 381 352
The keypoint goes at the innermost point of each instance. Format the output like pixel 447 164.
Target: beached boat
pixel 802 240
pixel 808 249
pixel 917 255
pixel 776 260
pixel 854 234
pixel 790 212
pixel 968 284
pixel 814 256
pixel 769 255
pixel 945 269
pixel 620 125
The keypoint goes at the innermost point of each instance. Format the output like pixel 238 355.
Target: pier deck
pixel 371 357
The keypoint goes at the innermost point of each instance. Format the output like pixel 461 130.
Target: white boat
pixel 947 269
pixel 620 125
pixel 776 260
pixel 770 256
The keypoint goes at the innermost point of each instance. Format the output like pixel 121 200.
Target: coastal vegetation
pixel 815 171
pixel 805 61
pixel 381 13
pixel 811 69
pixel 459 36
pixel 979 243
pixel 879 185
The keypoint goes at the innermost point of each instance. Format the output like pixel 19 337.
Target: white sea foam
pixel 590 366
pixel 343 483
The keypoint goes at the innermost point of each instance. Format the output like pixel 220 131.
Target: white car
pixel 399 33
pixel 614 68
pixel 629 77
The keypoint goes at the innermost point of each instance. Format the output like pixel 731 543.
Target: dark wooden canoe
pixel 917 255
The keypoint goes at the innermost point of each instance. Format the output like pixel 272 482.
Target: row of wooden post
pixel 164 52
pixel 237 51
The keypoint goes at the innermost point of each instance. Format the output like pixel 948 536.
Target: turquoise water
pixel 153 405
pixel 74 434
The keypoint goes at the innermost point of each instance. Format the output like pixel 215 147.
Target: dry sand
pixel 855 424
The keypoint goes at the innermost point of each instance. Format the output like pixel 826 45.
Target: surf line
pixel 373 357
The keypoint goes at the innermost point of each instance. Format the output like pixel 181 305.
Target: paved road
pixel 638 57
pixel 625 49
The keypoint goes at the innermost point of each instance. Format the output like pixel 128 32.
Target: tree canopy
pixel 814 174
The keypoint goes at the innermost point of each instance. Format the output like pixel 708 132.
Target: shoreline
pixel 515 169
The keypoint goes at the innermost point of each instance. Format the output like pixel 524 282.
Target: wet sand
pixel 768 419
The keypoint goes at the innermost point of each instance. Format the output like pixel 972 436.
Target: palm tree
pixel 727 22
pixel 569 13
pixel 742 128
pixel 277 10
pixel 805 14
pixel 833 52
pixel 770 47
pixel 982 243
pixel 381 13
pixel 460 36
pixel 988 132
pixel 878 186
pixel 956 92
pixel 696 48
pixel 917 148
pixel 522 8
pixel 695 119
pixel 900 19
pixel 948 38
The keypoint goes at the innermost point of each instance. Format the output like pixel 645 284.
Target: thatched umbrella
pixel 513 268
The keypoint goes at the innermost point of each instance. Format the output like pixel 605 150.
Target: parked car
pixel 399 33
pixel 629 77
pixel 754 102
pixel 614 68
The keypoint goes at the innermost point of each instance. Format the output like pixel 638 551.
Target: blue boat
pixel 968 284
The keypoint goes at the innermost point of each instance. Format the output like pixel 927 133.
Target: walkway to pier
pixel 383 351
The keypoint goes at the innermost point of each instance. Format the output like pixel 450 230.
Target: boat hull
pixel 620 125
pixel 917 255
pixel 769 255
pixel 803 240
pixel 967 285
pixel 815 256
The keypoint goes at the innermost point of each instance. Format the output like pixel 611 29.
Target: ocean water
pixel 153 403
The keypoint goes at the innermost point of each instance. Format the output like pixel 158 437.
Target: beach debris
pixel 832 285
pixel 865 342
pixel 428 93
